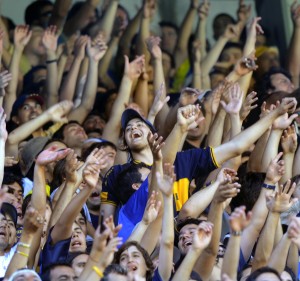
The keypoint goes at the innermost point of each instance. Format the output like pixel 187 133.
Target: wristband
pixel 268 186
pixel 51 61
pixel 27 246
pixel 98 271
pixel 22 254
pixel 236 233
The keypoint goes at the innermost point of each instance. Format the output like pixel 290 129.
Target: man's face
pixel 74 135
pixel 168 38
pixel 35 44
pixel 231 55
pixel 94 122
pixel 12 232
pixel 79 263
pixel 136 133
pixel 186 238
pixel 196 133
pixel 26 276
pixel 62 273
pixel 16 190
pixel 4 233
pixel 281 83
pixel 28 111
pixel 78 242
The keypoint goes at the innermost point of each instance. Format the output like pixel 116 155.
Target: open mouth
pixel 76 244
pixel 2 233
pixel 132 267
pixel 136 134
pixel 95 194
pixel 187 244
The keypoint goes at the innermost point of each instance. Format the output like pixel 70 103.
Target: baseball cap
pixel 10 210
pixel 30 151
pixel 130 114
pixel 21 100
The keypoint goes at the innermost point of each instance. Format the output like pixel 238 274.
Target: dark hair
pixel 240 273
pixel 185 222
pixel 169 24
pixel 144 253
pixel 58 174
pixel 265 83
pixel 46 276
pixel 121 7
pixel 33 11
pixel 254 275
pixel 73 255
pixel 99 145
pixel 129 176
pixel 115 268
pixel 59 134
pixel 10 178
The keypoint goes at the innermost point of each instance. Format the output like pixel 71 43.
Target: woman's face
pixel 133 260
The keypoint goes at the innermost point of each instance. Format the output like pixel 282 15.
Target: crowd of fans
pixel 129 154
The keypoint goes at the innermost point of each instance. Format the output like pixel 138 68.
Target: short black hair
pixel 254 275
pixel 32 12
pixel 169 24
pixel 47 271
pixel 73 255
pixel 115 268
pixel 265 83
pixel 59 134
pixel 10 178
pixel 187 221
pixel 99 145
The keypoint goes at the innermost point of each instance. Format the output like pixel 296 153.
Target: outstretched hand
pixel 152 208
pixel 165 181
pixel 156 143
pixel 51 155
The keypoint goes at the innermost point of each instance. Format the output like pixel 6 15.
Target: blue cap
pixel 130 114
pixel 21 100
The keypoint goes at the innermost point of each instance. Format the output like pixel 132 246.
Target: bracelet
pixel 98 271
pixel 51 61
pixel 236 233
pixel 22 254
pixel 268 186
pixel 27 246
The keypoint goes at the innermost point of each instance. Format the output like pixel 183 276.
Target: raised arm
pixel 59 14
pixel 95 52
pixel 49 40
pixel 22 36
pixel 132 71
pixel 294 48
pixel 276 203
pixel 56 113
pixel 3 138
pixel 289 146
pixel 238 221
pixel 67 90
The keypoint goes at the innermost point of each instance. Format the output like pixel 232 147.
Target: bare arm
pixel 59 13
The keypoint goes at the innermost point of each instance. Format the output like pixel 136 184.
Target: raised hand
pixel 287 105
pixel 134 69
pixel 96 49
pixel 239 220
pixel 91 174
pixel 226 175
pixel 232 31
pixel 22 36
pixel 50 37
pixel 165 181
pixel 10 161
pixel 156 143
pixel 283 121
pixel 51 155
pixel 281 201
pixel 246 64
pixel 203 9
pixel 153 47
pixel 254 28
pixel 295 13
pixel 110 250
pixel 5 77
pixel 149 7
pixel 151 209
pixel 3 131
pixel 235 96
pixel 226 191
pixel 202 236
pixel 59 111
pixel 109 223
pixel 97 155
pixel 289 140
pixel 275 170
pixel 243 12
pixel 71 166
pixel 189 117
pixel 80 45
pixel 158 103
pixel 217 93
pixel 33 220
pixel 248 105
